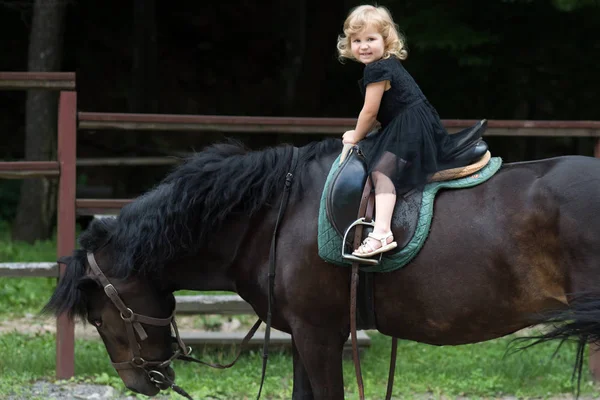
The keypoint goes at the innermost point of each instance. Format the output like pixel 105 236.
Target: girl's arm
pixel 368 114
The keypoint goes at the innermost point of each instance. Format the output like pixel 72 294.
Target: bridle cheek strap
pixel 133 325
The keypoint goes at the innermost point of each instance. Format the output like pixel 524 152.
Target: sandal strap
pixel 382 237
pixel 366 245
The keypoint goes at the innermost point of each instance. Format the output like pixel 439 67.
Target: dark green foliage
pixel 9 198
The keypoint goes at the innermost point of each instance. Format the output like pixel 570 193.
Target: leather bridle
pixel 133 325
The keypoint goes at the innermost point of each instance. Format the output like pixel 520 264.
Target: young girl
pixel 411 139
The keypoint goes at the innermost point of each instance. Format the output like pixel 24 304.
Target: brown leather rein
pixel 134 321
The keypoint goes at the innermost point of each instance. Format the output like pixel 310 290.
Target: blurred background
pixel 495 59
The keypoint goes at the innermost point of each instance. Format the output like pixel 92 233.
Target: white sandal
pixel 366 249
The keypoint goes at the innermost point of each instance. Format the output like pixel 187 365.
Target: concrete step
pixel 212 304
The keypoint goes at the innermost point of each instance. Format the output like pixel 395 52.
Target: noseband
pixel 133 324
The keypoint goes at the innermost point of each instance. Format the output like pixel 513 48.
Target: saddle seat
pixel 345 191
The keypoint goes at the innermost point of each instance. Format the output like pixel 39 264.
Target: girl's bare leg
pixel 385 200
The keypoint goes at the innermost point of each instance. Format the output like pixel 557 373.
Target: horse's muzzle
pixel 163 378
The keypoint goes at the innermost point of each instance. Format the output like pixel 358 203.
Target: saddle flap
pixel 344 195
pixel 345 190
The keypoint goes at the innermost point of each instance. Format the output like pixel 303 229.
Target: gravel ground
pixel 43 390
pixel 36 324
pixel 69 391
pixel 81 391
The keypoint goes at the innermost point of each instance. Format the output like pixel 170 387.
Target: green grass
pixel 473 371
pixel 20 296
pixel 19 251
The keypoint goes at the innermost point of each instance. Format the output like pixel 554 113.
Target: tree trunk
pixel 144 73
pixel 37 204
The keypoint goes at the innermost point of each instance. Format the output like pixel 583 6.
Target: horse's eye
pixel 96 322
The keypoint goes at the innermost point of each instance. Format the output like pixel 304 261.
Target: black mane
pixel 181 212
pixel 67 297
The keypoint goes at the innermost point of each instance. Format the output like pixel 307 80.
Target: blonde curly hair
pixel 367 16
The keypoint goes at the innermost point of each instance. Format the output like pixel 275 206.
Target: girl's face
pixel 367 45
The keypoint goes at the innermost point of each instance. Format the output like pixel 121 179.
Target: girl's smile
pixel 367 46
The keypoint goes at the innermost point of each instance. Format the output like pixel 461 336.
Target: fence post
pixel 67 148
pixel 594 358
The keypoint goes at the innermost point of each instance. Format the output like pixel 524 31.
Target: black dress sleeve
pixel 377 72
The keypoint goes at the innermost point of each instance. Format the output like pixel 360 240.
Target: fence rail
pixel 100 206
pixel 29 269
pixel 37 80
pixel 28 169
pixel 301 125
pixel 127 161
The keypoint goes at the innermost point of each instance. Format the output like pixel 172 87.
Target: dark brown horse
pixel 498 256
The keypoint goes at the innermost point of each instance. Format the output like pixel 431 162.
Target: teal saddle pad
pixel 330 242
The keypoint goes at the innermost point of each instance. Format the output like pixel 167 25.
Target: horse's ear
pixel 88 283
pixel 64 260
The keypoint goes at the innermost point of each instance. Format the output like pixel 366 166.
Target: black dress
pixel 411 140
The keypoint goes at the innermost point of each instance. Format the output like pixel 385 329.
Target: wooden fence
pixel 64 168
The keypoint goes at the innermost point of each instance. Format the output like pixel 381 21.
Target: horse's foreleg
pixel 302 389
pixel 320 352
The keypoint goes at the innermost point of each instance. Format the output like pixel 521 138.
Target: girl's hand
pixel 350 137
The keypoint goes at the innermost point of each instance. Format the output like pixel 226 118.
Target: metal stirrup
pixel 350 256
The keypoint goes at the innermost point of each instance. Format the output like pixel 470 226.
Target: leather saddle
pixel 347 184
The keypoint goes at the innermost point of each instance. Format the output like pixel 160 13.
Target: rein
pixel 134 321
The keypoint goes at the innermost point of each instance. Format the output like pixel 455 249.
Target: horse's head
pixel 132 316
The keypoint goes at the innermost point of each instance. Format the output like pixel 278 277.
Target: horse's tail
pixel 579 323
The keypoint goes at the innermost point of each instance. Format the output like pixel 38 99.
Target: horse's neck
pixel 237 255
pixel 210 268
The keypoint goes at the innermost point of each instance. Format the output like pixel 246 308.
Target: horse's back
pixel 557 167
pixel 568 182
pixel 574 185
